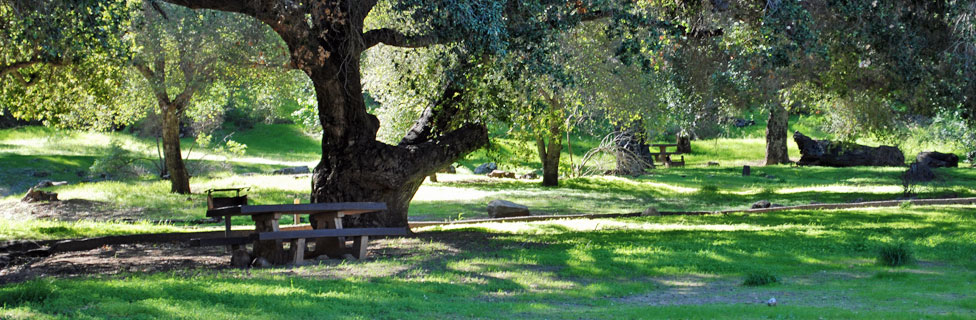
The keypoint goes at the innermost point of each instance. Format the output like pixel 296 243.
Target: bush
pixel 708 188
pixel 29 292
pixel 759 278
pixel 895 254
pixel 118 163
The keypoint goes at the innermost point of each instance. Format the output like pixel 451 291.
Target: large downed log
pixel 844 154
pixel 934 159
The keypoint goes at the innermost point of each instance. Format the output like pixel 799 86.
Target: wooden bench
pixel 669 163
pixel 325 218
pixel 664 156
pixel 297 238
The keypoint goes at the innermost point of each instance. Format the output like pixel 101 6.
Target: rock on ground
pixel 650 212
pixel 761 204
pixel 486 168
pixel 505 209
pixel 448 169
pixel 501 174
pixel 530 175
pixel 293 170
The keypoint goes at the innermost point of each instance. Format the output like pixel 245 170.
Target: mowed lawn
pixel 649 267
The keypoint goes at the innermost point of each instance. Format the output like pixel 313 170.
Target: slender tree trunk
pixel 549 153
pixel 178 176
pixel 776 135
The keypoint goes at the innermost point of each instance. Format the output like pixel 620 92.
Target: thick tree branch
pixel 159 90
pixel 434 118
pixel 222 5
pixel 396 38
pixel 428 157
pixel 4 70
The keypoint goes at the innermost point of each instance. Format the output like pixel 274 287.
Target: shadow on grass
pixel 547 266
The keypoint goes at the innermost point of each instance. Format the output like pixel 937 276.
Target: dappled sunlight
pixel 606 225
pixel 842 189
pixel 436 193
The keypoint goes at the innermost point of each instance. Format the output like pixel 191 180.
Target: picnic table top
pixel 664 144
pixel 348 208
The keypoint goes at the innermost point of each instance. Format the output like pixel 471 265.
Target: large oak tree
pixel 326 39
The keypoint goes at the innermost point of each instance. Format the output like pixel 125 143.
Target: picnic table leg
pixel 297 250
pixel 227 233
pixel 333 246
pixel 359 245
pixel 270 250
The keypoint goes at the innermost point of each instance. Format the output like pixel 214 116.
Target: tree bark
pixel 549 151
pixel 326 40
pixel 776 135
pixel 178 176
pixel 356 167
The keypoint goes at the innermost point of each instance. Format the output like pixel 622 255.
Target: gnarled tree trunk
pixel 326 40
pixel 776 135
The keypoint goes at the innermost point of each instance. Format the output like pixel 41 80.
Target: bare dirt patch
pixel 71 210
pixel 108 260
pixel 698 290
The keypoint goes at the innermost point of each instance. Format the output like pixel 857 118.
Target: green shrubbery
pixel 117 163
pixel 895 254
pixel 759 278
pixel 36 291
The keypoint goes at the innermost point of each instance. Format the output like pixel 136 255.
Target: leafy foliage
pixel 759 278
pixel 117 163
pixel 895 254
pixel 63 62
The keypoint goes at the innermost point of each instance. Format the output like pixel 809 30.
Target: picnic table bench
pixel 665 157
pixel 326 230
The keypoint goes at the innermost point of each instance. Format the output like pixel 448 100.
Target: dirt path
pixel 109 260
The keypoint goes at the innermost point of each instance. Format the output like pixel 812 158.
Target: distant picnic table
pixel 664 156
pixel 326 230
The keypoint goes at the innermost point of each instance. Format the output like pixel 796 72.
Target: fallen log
pixel 845 154
pixel 934 159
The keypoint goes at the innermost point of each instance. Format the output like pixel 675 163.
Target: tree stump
pixel 845 154
pixel 684 143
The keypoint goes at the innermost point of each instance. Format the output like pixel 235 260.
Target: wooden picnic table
pixel 663 147
pixel 325 220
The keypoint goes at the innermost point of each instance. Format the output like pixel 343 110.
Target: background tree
pixel 181 54
pixel 62 62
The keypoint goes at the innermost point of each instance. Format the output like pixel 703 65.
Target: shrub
pixel 708 188
pixel 895 254
pixel 759 278
pixel 28 292
pixel 117 163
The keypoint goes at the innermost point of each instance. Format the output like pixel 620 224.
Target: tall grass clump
pixel 759 278
pixel 36 291
pixel 895 254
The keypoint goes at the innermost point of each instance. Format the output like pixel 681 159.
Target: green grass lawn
pixel 457 196
pixel 650 267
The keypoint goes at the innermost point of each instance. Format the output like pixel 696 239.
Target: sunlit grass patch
pixel 34 229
